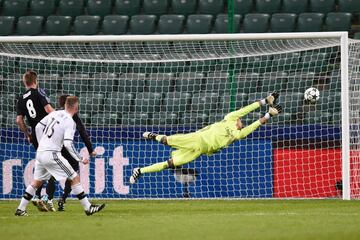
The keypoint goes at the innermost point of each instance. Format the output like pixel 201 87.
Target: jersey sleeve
pixel 40 127
pixel 247 130
pixel 68 140
pixel 242 112
pixel 44 100
pixel 19 108
pixel 83 133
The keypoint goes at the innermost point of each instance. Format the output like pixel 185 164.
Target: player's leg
pixel 50 190
pixel 179 141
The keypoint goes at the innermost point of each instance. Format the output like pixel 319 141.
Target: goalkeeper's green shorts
pixel 188 148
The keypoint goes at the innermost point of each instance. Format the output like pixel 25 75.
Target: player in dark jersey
pixel 50 189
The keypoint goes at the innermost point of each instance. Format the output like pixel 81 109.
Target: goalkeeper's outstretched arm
pixel 252 107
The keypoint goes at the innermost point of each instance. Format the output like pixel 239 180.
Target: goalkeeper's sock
pixel 78 190
pixel 29 193
pixel 263 102
pixel 157 167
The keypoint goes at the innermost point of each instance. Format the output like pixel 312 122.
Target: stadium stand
pixel 127 7
pixel 42 7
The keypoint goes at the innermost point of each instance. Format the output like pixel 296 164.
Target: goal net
pixel 179 84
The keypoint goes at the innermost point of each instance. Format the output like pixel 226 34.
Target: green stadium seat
pixel 283 22
pixel 243 6
pixel 10 120
pixel 115 25
pixel 221 23
pixel 164 118
pixel 99 7
pixel 160 82
pixel 131 82
pixel 335 81
pixel 76 83
pixel 300 82
pixel 29 25
pixel 105 82
pixel 357 35
pixel 26 64
pixel 294 6
pixel 16 8
pixel 199 24
pixel 92 102
pixel 8 103
pixel 317 117
pixel 118 102
pixel 144 67
pixel 86 25
pixel 143 24
pixel 284 118
pixel 135 119
pixel 310 22
pixel 241 100
pixel 49 82
pixel 58 25
pixel 177 102
pixel 258 63
pixel 336 118
pixel 197 119
pixel 337 21
pixel 247 82
pixel 205 102
pixel 6 25
pixel 148 102
pixel 85 118
pixel 256 23
pixel 155 7
pixel 217 82
pixel 13 84
pixel 286 62
pixel 189 82
pixel 316 61
pixel 335 101
pixel 105 119
pixel 351 6
pixel 268 6
pixel 127 7
pixel 42 7
pixel 291 102
pixel 272 81
pixel 322 6
pixel 256 96
pixel 211 7
pixel 71 8
pixel 184 7
pixel 171 24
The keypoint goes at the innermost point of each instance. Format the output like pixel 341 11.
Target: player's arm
pixel 252 107
pixel 273 111
pixel 84 135
pixel 21 122
pixel 45 101
pixel 69 140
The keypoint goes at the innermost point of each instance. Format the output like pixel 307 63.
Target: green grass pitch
pixel 194 219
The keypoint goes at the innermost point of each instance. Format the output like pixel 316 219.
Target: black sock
pixel 67 190
pixel 38 191
pixel 50 189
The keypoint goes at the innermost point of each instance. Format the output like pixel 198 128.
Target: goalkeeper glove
pixel 275 110
pixel 271 99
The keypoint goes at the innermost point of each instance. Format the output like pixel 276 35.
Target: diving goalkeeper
pixel 210 139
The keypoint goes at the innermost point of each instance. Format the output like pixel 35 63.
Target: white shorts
pixel 49 164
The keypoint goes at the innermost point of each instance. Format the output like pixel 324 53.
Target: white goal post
pixel 179 83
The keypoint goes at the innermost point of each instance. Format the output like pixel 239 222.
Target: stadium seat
pixel 16 8
pixel 177 102
pixel 283 22
pixel 105 119
pixel 205 102
pixel 258 63
pixel 294 6
pixel 10 120
pixel 155 7
pixel 42 7
pixel 189 82
pixel 221 23
pixel 247 82
pixel 256 23
pixel 211 7
pixel 13 84
pixel 135 119
pixel 315 61
pixel 291 102
pixel 171 24
pixel 300 82
pixel 337 21
pixel 184 7
pixel 76 83
pixel 357 35
pixel 99 7
pixel 199 24
pixel 143 24
pixel 49 82
pixel 127 7
pixel 272 81
pixel 351 6
pixel 196 119
pixel 8 102
pixel 6 25
pixel 286 62
pixel 105 82
pixel 115 25
pixel 118 102
pixel 243 6
pixel 71 8
pixel 322 6
pixel 217 82
pixel 148 102
pixel 58 25
pixel 29 25
pixel 268 6
pixel 317 117
pixel 160 82
pixel 164 118
pixel 132 82
pixel 310 22
pixel 92 102
pixel 241 99
pixel 86 25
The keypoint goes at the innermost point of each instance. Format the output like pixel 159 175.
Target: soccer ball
pixel 312 95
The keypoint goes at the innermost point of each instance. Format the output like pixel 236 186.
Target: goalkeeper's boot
pixel 61 205
pixel 21 213
pixel 135 175
pixel 149 135
pixel 50 206
pixel 94 208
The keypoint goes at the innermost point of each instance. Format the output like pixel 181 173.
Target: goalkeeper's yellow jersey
pixel 221 134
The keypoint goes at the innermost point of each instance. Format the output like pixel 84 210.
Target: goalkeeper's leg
pixel 179 141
